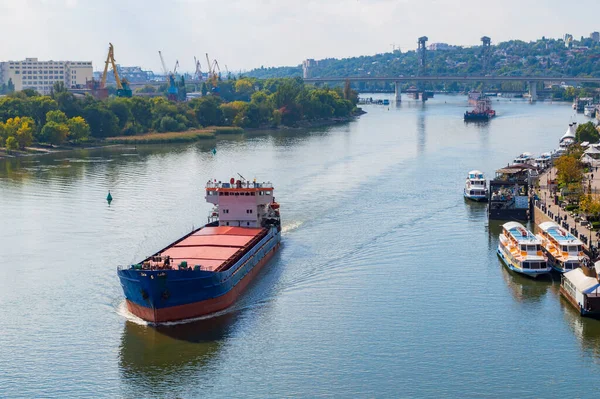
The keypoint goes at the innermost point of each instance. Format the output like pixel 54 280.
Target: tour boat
pixel 521 251
pixel 563 249
pixel 544 160
pixel 581 288
pixel 206 270
pixel 476 186
pixel 589 110
pixel 524 158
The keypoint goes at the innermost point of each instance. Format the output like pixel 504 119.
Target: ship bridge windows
pixel 249 211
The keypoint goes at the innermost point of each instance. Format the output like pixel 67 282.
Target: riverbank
pixel 187 136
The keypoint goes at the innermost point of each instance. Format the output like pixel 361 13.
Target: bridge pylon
pixel 532 91
pixel 397 92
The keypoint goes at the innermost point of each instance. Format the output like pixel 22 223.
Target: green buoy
pixel 214 151
pixel 109 198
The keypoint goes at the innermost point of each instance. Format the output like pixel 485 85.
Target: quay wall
pixel 539 216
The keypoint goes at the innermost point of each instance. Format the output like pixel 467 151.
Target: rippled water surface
pixel 387 284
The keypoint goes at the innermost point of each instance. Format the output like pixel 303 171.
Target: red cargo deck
pixel 213 247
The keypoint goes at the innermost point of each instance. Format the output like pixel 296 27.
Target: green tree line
pixel 27 117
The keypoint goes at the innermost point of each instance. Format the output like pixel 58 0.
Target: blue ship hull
pixel 169 295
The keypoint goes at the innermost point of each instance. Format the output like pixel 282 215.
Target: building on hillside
pixel 41 75
pixel 308 67
pixel 441 47
pixel 568 40
pixel 595 36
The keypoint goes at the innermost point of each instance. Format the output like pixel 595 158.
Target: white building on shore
pixel 41 75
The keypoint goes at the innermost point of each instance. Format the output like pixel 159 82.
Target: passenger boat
pixel 524 158
pixel 563 249
pixel 206 270
pixel 589 110
pixel 476 186
pixel 544 161
pixel 581 288
pixel 521 251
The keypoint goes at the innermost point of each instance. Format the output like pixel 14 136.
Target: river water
pixel 387 284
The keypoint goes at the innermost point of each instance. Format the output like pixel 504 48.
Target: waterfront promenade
pixel 545 207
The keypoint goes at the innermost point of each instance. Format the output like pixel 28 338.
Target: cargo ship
pixel 206 270
pixel 483 111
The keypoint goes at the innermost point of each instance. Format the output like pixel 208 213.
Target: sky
pixel 245 34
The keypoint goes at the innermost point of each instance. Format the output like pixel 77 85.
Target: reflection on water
pixel 523 288
pixel 421 130
pixel 586 330
pixel 150 356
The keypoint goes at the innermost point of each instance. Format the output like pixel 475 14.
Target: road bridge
pixel 531 80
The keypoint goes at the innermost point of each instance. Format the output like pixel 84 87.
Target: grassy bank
pixel 226 129
pixel 160 138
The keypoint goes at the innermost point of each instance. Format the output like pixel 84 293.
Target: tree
pixel 79 129
pixel 103 123
pixel 68 104
pixel 569 170
pixel 141 113
pixel 244 89
pixel 56 117
pixel 11 144
pixel 204 89
pixel 40 106
pixel 55 133
pixel 21 129
pixel 120 107
pixel 587 132
pixel 57 88
pixel 207 111
pixel 10 86
pixel 24 134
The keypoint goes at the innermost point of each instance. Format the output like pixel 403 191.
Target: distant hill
pixel 548 57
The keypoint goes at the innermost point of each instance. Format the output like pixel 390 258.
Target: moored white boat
pixel 589 110
pixel 564 250
pixel 521 251
pixel 581 287
pixel 524 158
pixel 544 160
pixel 476 186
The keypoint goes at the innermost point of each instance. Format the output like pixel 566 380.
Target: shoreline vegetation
pixel 31 123
pixel 210 133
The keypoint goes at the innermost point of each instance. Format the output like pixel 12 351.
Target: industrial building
pixel 41 75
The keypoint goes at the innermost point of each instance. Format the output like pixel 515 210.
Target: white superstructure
pixel 476 186
pixel 242 203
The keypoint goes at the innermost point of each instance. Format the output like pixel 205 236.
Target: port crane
pixel 123 89
pixel 172 91
pixel 213 77
pixel 198 73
